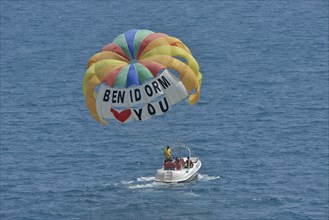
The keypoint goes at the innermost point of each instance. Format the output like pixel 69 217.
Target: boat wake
pixel 141 183
pixel 205 177
pixel 145 179
pixel 149 182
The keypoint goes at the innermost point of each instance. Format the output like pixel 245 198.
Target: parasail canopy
pixel 139 75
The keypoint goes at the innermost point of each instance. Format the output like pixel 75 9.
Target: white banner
pixel 140 102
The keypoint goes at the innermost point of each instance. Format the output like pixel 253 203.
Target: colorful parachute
pixel 132 77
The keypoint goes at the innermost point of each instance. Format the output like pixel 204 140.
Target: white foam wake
pixel 143 186
pixel 145 178
pixel 144 182
pixel 126 182
pixel 205 177
pixel 141 183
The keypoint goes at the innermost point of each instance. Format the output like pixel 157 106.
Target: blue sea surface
pixel 260 128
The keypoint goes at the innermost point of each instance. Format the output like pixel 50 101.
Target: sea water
pixel 260 128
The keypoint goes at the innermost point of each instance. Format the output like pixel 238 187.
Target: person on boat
pixel 168 165
pixel 181 162
pixel 167 154
pixel 188 163
pixel 178 164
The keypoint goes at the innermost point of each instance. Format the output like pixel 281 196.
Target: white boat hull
pixel 183 175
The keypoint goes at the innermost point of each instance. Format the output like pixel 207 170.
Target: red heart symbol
pixel 121 116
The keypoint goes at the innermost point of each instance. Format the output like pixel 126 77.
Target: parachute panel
pixel 130 79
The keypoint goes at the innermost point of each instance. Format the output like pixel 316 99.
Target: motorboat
pixel 181 169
